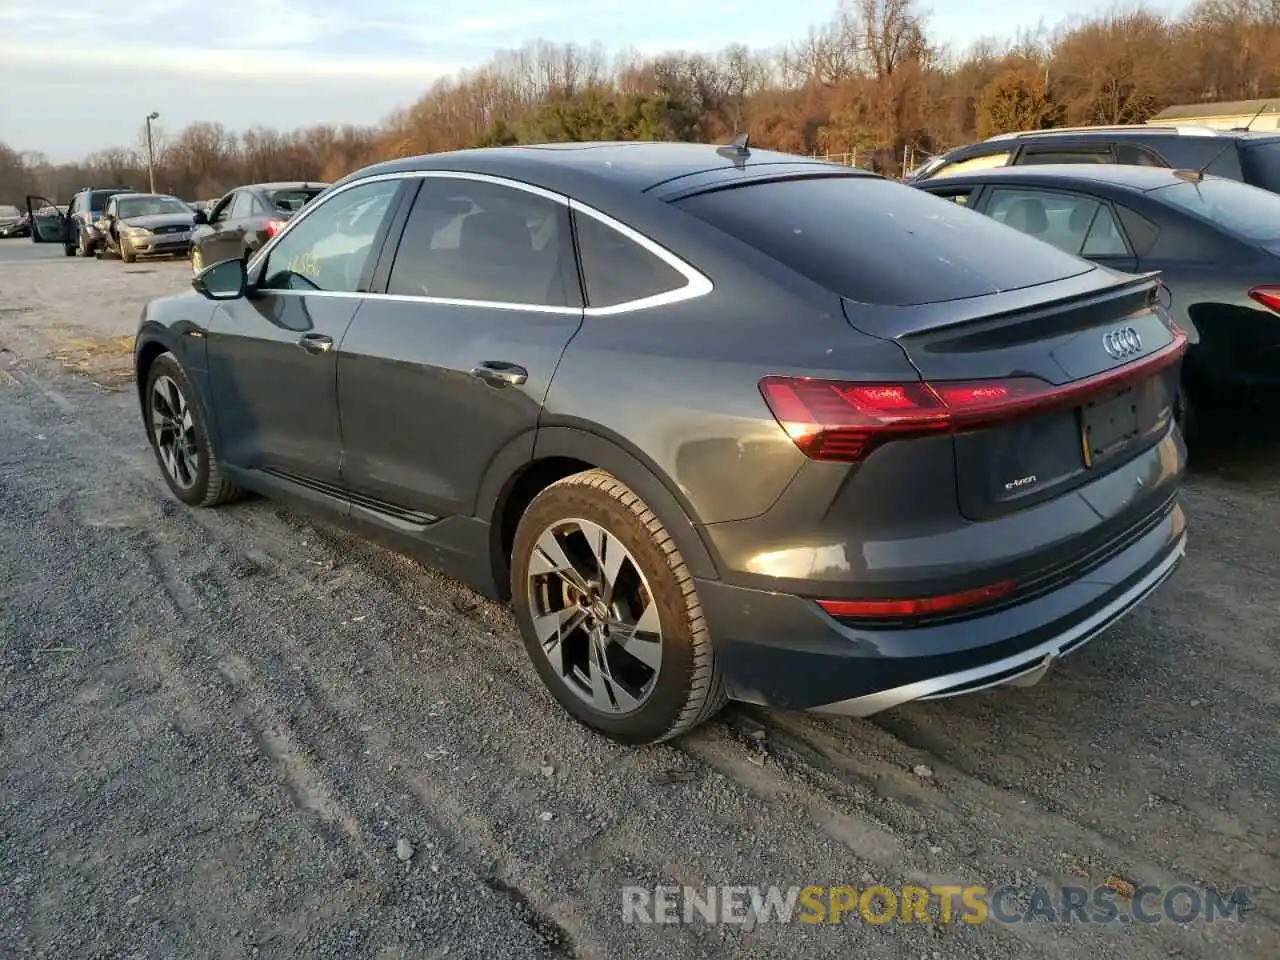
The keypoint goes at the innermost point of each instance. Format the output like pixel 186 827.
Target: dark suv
pixel 1236 154
pixel 87 207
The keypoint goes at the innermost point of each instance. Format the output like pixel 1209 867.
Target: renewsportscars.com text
pixel 813 904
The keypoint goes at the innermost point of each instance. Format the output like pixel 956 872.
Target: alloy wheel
pixel 174 432
pixel 197 260
pixel 594 616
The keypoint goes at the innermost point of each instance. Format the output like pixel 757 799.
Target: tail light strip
pixel 845 420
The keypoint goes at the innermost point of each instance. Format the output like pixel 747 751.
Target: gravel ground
pixel 216 728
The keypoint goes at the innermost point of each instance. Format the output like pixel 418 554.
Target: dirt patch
pixel 81 314
pixel 107 360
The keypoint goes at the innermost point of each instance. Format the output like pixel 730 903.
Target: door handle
pixel 316 343
pixel 499 373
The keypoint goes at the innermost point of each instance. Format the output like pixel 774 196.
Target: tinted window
pixel 1133 155
pixel 1261 163
pixel 984 162
pixel 875 241
pixel 1248 212
pixel 329 249
pixel 1069 221
pixel 1141 231
pixel 617 269
pixel 1105 238
pixel 98 200
pixel 955 195
pixel 241 206
pixel 1034 156
pixel 469 240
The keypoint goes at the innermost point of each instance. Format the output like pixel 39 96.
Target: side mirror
pixel 199 219
pixel 224 280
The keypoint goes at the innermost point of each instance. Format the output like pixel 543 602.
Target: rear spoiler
pixel 1095 284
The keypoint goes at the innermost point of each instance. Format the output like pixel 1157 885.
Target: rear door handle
pixel 499 373
pixel 316 343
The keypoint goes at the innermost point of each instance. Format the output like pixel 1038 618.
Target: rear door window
pixel 485 243
pixel 1073 223
pixel 879 242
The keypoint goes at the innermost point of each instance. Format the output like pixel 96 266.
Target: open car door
pixel 48 223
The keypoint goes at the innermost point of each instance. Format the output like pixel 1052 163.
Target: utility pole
pixel 151 153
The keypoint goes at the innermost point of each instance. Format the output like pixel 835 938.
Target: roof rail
pixel 1182 130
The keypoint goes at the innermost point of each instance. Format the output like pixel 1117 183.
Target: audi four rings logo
pixel 1121 343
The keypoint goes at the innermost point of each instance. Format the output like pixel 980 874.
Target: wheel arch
pixel 155 339
pixel 514 478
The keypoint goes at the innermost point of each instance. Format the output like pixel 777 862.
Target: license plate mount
pixel 1107 426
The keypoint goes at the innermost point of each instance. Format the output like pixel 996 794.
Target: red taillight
pixel 845 421
pixel 919 606
pixel 1269 297
pixel 275 226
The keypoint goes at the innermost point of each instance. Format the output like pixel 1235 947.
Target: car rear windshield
pixel 149 207
pixel 1249 213
pixel 1261 162
pixel 878 242
pixel 293 200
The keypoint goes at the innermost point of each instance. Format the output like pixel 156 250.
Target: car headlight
pixel 135 233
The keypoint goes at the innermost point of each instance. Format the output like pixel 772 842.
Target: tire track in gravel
pixel 181 649
pixel 233 539
pixel 823 780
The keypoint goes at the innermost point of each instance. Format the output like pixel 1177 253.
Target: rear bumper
pixel 782 650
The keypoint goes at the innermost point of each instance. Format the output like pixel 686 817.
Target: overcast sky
pixel 78 75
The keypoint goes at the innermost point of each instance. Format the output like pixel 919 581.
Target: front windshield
pixel 1249 213
pixel 149 206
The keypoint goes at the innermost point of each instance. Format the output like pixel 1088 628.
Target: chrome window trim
pixel 697 284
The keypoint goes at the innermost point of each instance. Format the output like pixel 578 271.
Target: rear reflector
pixel 918 607
pixel 845 420
pixel 1269 297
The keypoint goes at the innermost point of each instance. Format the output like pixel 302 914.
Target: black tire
pixel 209 488
pixel 68 245
pixel 687 689
pixel 83 246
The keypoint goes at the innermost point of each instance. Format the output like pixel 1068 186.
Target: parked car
pixel 708 442
pixel 9 215
pixel 146 225
pixel 1214 241
pixel 246 218
pixel 76 227
pixel 1236 154
pixel 17 228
